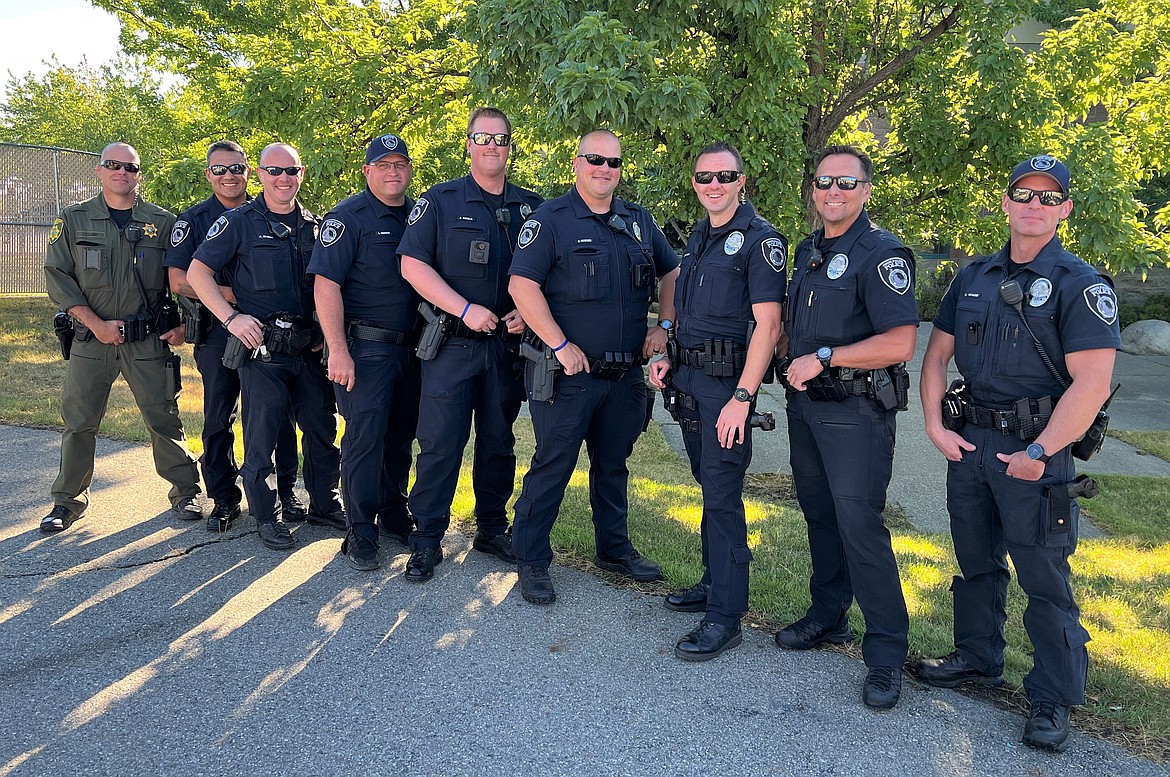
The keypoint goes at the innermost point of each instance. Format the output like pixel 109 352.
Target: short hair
pixel 853 151
pixel 488 112
pixel 225 145
pixel 720 147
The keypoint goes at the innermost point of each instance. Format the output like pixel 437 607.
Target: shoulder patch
pixel 331 231
pixel 179 233
pixel 417 212
pixel 55 231
pixel 895 273
pixel 1102 300
pixel 774 253
pixel 217 228
pixel 528 233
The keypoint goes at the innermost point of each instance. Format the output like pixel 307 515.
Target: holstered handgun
pixel 166 317
pixel 764 421
pixel 1094 436
pixel 196 320
pixel 952 406
pixel 434 333
pixel 890 387
pixel 63 328
pixel 545 367
pixel 235 353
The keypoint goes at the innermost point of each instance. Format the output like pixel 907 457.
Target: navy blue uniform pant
pixel 719 472
pixel 275 393
pixel 842 457
pixel 380 412
pixel 608 416
pixel 469 381
pixel 994 516
pixel 221 396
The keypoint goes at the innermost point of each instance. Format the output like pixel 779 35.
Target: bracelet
pixel 466 308
pixel 562 345
pixel 230 318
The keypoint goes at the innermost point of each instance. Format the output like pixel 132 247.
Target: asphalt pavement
pixel 137 644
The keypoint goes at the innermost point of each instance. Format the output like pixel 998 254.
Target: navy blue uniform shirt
pixel 357 249
pixel 862 285
pixel 189 232
pixel 724 272
pixel 454 230
pixel 266 272
pixel 1069 305
pixel 588 269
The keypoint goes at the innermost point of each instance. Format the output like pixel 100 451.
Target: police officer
pixel 583 278
pixel 852 319
pixel 456 252
pixel 104 267
pixel 227 173
pixel 1033 330
pixel 262 248
pixel 728 301
pixel 368 315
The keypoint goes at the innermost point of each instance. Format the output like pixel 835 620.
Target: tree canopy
pixel 940 95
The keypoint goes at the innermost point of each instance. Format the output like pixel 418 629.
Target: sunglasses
pixel 273 170
pixel 845 183
pixel 236 169
pixel 1022 195
pixel 502 139
pixel 724 176
pixel 597 160
pixel 114 164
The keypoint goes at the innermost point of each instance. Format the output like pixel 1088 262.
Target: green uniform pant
pixel 92 369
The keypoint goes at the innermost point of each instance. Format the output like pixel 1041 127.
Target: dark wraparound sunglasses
pixel 1022 195
pixel 273 170
pixel 236 169
pixel 597 160
pixel 114 164
pixel 724 176
pixel 501 139
pixel 845 183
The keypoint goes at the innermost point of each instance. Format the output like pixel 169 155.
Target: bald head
pixel 121 151
pixel 281 149
pixel 601 134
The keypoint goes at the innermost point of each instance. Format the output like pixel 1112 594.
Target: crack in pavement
pixel 178 553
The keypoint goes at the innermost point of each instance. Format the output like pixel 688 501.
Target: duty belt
pixel 719 359
pixel 1025 425
pixel 613 365
pixel 377 334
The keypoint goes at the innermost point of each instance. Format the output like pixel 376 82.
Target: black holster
pixel 196 320
pixel 889 387
pixel 63 329
pixel 235 353
pixel 167 316
pixel 434 333
pixel 545 367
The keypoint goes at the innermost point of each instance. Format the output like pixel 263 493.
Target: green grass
pixel 1122 582
pixel 1150 443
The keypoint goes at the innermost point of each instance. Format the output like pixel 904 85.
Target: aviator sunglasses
pixel 501 139
pixel 236 169
pixel 597 160
pixel 845 183
pixel 1022 195
pixel 114 164
pixel 724 176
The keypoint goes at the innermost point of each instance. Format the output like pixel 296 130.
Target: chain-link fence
pixel 35 184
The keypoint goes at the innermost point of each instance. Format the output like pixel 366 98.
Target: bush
pixel 932 286
pixel 1156 306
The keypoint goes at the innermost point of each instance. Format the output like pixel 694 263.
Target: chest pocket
pixel 150 264
pixel 467 252
pixel 970 335
pixel 92 261
pixel 268 267
pixel 1016 355
pixel 589 273
pixel 834 309
pixel 380 266
pixel 641 274
pixel 720 288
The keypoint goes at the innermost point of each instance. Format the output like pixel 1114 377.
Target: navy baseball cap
pixel 384 145
pixel 1041 165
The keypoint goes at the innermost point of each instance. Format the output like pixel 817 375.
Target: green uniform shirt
pixel 90 262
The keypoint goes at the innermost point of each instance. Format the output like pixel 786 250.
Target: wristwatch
pixel 741 395
pixel 825 355
pixel 666 324
pixel 1036 452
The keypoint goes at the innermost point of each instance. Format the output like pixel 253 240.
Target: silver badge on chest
pixel 525 210
pixel 837 266
pixel 733 243
pixel 1039 292
pixel 637 232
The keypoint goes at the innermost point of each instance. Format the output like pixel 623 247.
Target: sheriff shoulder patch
pixel 55 231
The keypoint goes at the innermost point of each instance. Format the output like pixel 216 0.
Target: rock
pixel 1147 338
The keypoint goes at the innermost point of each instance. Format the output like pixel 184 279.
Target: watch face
pixel 824 352
pixel 1035 451
pixel 742 395
pixel 666 324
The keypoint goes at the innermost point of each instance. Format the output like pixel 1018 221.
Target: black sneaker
pixel 499 545
pixel 275 535
pixel 1047 727
pixel 707 640
pixel 420 567
pixel 397 533
pixel 953 670
pixel 806 634
pixel 223 516
pixel 292 509
pixel 883 686
pixel 360 553
pixel 634 565
pixel 536 586
pixel 188 509
pixel 59 519
pixel 334 519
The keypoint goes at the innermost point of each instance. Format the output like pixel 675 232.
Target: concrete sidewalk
pixel 137 645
